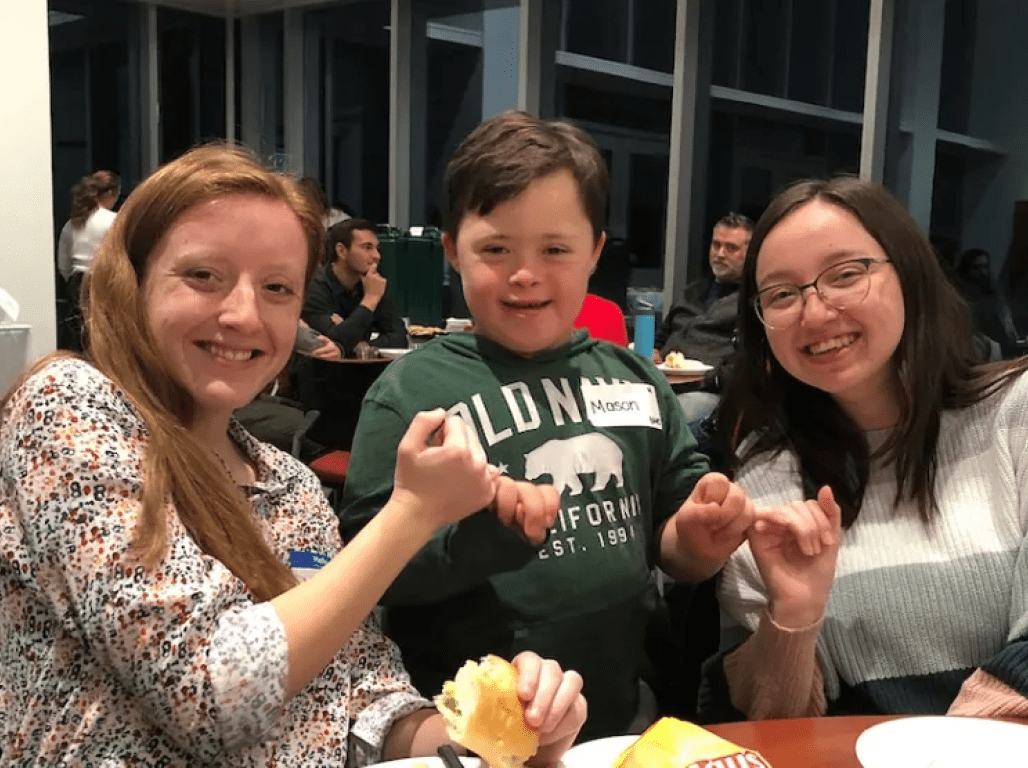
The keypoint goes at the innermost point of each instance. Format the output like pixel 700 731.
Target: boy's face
pixel 525 266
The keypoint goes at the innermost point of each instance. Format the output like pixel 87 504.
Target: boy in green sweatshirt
pixel 586 434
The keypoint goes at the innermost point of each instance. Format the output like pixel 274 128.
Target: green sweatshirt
pixel 598 422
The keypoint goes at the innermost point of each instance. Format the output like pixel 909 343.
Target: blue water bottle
pixel 644 334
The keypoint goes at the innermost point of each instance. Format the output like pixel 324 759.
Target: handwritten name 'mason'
pixel 614 406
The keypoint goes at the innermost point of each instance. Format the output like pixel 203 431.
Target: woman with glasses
pixel 888 571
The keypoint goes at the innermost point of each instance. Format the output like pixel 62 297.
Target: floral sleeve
pixel 381 694
pixel 184 638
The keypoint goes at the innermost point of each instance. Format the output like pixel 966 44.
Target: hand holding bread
pixel 512 715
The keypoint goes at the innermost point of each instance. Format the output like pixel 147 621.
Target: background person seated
pixel 703 323
pixel 346 301
pixel 274 416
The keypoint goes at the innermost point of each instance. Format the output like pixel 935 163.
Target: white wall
pixel 26 215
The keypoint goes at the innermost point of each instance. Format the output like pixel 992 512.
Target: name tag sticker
pixel 622 405
pixel 306 564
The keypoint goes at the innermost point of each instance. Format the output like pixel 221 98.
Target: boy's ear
pixel 340 252
pixel 450 249
pixel 597 250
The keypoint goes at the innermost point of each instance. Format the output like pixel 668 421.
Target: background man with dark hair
pixel 346 301
pixel 702 324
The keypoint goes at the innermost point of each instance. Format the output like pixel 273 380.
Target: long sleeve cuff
pixel 983 695
pixel 372 726
pixel 775 674
pixel 248 663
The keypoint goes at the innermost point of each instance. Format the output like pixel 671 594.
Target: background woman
pixel 899 585
pixel 92 214
pixel 175 592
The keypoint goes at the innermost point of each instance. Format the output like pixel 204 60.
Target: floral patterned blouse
pixel 104 663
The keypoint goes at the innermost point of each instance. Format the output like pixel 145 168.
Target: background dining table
pixel 813 742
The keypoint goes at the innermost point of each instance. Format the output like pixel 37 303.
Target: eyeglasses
pixel 840 286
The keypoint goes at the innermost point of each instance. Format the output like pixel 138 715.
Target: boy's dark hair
pixel 343 233
pixel 735 220
pixel 502 156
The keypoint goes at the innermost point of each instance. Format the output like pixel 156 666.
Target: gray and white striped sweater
pixel 915 609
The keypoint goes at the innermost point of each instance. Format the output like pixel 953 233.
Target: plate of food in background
pixel 423 333
pixel 676 362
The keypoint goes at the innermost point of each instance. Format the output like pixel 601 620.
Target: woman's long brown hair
pixel 934 360
pixel 178 470
pixel 85 196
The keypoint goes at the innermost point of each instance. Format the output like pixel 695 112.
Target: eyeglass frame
pixel 867 263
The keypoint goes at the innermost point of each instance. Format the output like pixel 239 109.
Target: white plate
pixel 393 353
pixel 691 366
pixel 592 754
pixel 431 762
pixel 942 742
pixel 598 754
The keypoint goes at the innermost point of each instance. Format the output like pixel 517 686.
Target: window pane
pixel 764 45
pixel 957 64
pixel 597 104
pixel 192 79
pixel 647 208
pixel 977 196
pixel 852 18
pixel 598 28
pixel 654 40
pixel 727 21
pixel 810 51
pixel 355 120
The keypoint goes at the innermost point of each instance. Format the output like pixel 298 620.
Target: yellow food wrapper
pixel 671 743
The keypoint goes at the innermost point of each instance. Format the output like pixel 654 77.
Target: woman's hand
pixel 554 706
pixel 796 547
pixel 442 474
pixel 526 507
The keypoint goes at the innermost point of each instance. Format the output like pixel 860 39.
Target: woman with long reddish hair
pixel 174 591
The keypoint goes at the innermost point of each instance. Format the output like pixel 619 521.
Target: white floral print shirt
pixel 104 663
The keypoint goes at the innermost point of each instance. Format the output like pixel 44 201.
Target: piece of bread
pixel 671 743
pixel 483 713
pixel 675 360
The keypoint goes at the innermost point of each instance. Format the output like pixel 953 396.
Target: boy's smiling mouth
pixel 522 306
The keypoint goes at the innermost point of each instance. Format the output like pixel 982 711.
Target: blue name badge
pixel 306 564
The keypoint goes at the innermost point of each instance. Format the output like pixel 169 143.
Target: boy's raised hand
pixel 441 470
pixel 708 527
pixel 526 507
pixel 795 548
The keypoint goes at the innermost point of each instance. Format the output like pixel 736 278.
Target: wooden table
pixel 816 742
